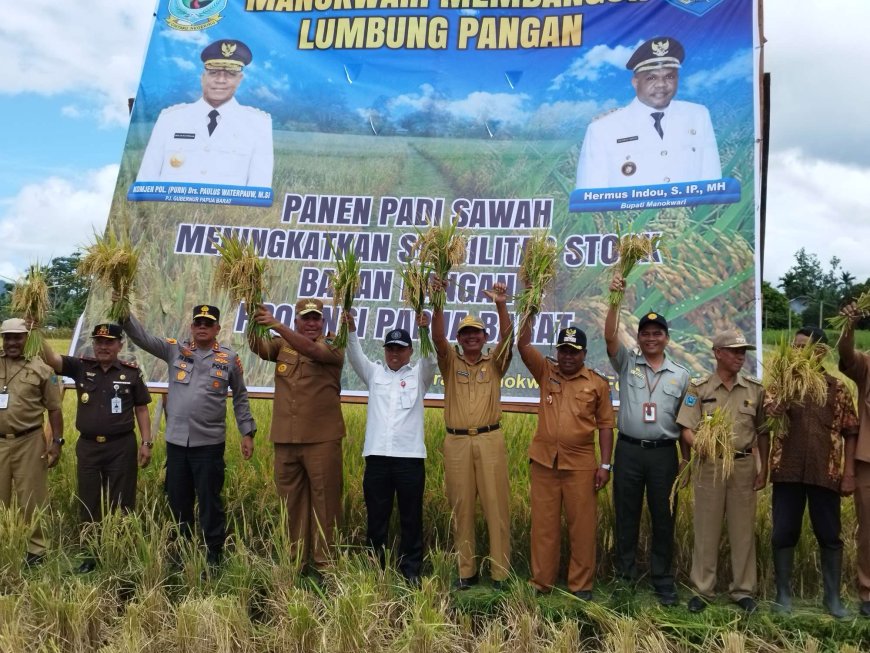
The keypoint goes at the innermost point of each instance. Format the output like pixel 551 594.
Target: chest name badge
pixel 85 397
pixel 181 376
pixel 116 405
pixel 4 401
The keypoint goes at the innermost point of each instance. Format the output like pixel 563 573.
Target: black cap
pixel 815 334
pixel 398 337
pixel 226 54
pixel 653 318
pixel 107 330
pixel 658 52
pixel 204 310
pixel 571 337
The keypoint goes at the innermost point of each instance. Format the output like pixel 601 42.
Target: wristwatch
pixel 60 441
pixel 606 467
pixel 148 443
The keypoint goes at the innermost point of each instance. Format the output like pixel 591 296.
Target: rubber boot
pixel 832 563
pixel 783 563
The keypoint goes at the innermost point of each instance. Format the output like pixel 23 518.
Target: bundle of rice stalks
pixel 840 322
pixel 244 276
pixel 345 282
pixel 441 248
pixel 112 262
pixel 633 248
pixel 537 272
pixel 415 284
pixel 714 440
pixel 792 376
pixel 30 299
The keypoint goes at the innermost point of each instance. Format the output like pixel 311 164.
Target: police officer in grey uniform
pixel 654 139
pixel 214 140
pixel 201 372
pixel 651 387
pixel 111 397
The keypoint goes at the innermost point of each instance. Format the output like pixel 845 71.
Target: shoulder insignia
pixel 88 359
pixel 256 110
pixel 753 379
pixel 239 364
pixel 172 341
pixel 128 364
pixel 605 113
pixel 175 107
pixel 601 374
pixel 691 399
pixel 700 380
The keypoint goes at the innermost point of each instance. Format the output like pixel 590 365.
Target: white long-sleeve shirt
pixel 394 424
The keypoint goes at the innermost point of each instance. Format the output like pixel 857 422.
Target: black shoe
pixel 214 558
pixel 667 597
pixel 697 604
pixel 864 610
pixel 465 583
pixel 498 585
pixel 583 595
pixel 87 566
pixel 32 560
pixel 747 604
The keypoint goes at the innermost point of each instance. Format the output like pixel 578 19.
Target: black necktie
pixel 213 115
pixel 657 116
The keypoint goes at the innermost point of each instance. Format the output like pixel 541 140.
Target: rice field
pixel 259 600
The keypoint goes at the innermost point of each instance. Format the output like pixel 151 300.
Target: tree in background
pixel 775 309
pixel 67 292
pixel 820 291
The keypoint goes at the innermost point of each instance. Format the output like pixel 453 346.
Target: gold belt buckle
pixel 100 438
pixel 472 431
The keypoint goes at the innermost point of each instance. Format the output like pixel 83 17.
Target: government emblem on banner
pixel 189 15
pixel 697 7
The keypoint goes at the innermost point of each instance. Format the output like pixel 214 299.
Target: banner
pixel 293 122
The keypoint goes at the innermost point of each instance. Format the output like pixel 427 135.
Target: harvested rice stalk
pixel 111 262
pixel 415 284
pixel 30 299
pixel 633 248
pixel 242 274
pixel 714 440
pixel 441 248
pixel 792 376
pixel 840 322
pixel 537 272
pixel 345 282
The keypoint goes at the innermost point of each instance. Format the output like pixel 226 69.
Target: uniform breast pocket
pixel 637 380
pixel 746 417
pixel 408 392
pixel 180 371
pixel 584 404
pixel 285 364
pixel 218 381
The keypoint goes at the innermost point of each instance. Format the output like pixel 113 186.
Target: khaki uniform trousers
pixel 476 466
pixel 862 512
pixel 308 477
pixel 735 500
pixel 551 490
pixel 22 465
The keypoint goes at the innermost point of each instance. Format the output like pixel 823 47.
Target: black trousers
pixel 789 502
pixel 106 474
pixel 197 474
pixel 651 471
pixel 403 478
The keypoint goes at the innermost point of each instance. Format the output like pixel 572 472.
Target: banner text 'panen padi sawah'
pixel 293 122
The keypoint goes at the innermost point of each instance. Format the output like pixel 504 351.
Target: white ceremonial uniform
pixel 622 148
pixel 239 151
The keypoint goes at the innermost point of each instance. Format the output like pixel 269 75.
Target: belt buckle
pixel 100 438
pixel 472 431
pixel 9 436
pixel 647 444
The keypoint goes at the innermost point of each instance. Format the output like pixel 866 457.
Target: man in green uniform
pixel 741 398
pixel 110 393
pixel 27 390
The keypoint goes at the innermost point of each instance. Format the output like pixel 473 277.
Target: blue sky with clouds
pixel 69 69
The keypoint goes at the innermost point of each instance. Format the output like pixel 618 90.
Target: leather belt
pixel 647 444
pixel 12 436
pixel 102 439
pixel 477 431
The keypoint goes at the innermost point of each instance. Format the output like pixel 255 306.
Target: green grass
pixel 259 601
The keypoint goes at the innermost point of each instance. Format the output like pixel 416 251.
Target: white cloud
pixel 184 64
pixel 97 49
pixel 54 217
pixel 739 65
pixel 560 115
pixel 597 61
pixel 490 106
pixel 819 205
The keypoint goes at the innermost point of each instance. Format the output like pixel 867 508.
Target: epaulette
pixel 700 380
pixel 175 107
pixel 256 110
pixel 752 379
pixel 128 364
pixel 172 341
pixel 606 113
pixel 601 374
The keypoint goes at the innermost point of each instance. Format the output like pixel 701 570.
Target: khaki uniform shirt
pixel 199 381
pixel 307 405
pixel 472 392
pixel 639 384
pixel 744 403
pixel 811 451
pixel 31 390
pixel 96 389
pixel 859 372
pixel 571 409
